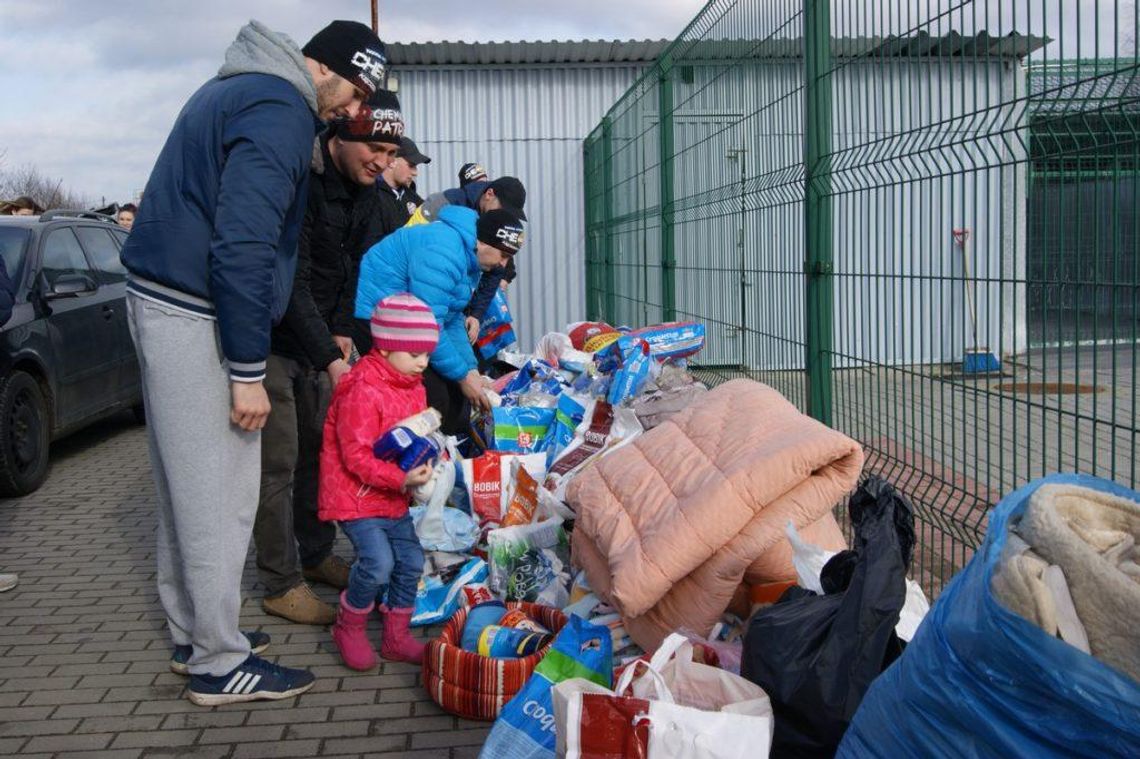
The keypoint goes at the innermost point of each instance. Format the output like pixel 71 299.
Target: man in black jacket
pixel 397 187
pixel 309 354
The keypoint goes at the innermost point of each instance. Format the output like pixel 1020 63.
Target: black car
pixel 67 357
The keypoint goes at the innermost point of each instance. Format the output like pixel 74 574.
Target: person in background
pixel 440 264
pixel 369 497
pixel 126 215
pixel 21 206
pixel 309 355
pixel 210 259
pixel 471 172
pixel 396 187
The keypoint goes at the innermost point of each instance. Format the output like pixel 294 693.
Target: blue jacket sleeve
pixel 267 148
pixel 437 278
pixel 368 282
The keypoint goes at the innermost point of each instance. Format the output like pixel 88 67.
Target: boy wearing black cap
pixel 309 355
pixel 211 259
pixel 397 187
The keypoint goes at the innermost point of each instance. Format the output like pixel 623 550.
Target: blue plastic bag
pixel 495 331
pixel 628 359
pixel 977 680
pixel 567 416
pixel 437 597
pixel 525 728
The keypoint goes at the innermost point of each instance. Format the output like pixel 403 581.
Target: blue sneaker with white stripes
pixel 180 660
pixel 254 680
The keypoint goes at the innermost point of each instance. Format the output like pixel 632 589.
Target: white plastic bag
pixel 809 560
pixel 694 711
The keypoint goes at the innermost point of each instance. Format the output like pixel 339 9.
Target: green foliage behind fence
pixel 869 207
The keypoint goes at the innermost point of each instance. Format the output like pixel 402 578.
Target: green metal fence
pixel 917 223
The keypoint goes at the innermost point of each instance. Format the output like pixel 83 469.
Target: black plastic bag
pixel 816 655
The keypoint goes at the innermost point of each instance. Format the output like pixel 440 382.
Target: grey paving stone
pixel 155 738
pixel 120 724
pixel 289 716
pixel 56 743
pixel 372 744
pixel 244 734
pixel 118 709
pixel 327 730
pixel 449 738
pixel 85 696
pixel 203 718
pixel 372 711
pixel 277 749
pixel 36 726
pixel 413 725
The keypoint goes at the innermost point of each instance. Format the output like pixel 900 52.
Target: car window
pixel 103 252
pixel 62 255
pixel 120 235
pixel 13 244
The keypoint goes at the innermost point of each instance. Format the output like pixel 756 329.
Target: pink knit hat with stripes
pixel 403 322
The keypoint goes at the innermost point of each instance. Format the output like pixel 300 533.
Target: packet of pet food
pixel 604 430
pixel 474 594
pixel 523 501
pixel 487 479
pixel 518 619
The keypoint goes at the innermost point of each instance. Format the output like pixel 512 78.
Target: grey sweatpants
pixel 206 470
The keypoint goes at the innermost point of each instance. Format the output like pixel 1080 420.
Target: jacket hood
pixel 462 220
pixel 260 50
pixel 467 196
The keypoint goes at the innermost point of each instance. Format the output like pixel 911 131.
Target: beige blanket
pixel 1074 571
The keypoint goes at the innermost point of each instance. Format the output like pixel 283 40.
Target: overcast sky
pixel 90 88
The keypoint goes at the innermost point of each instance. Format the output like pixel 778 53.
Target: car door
pixel 77 313
pixel 103 252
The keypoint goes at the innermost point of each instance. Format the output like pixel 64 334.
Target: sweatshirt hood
pixel 260 50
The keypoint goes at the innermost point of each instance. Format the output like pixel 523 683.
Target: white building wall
pixel 529 122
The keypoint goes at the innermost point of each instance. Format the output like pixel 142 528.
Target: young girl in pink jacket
pixel 369 497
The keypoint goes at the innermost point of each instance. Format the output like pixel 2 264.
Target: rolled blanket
pixel 669 525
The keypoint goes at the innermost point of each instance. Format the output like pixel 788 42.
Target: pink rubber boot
pixel 399 645
pixel 348 633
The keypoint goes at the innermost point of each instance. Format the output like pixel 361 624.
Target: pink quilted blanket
pixel 669 525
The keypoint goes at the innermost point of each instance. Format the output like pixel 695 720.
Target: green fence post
pixel 589 212
pixel 607 248
pixel 818 264
pixel 666 148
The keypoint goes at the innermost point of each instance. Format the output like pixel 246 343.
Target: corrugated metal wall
pixel 528 122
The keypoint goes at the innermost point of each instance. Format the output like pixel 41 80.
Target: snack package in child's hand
pixel 523 500
pixel 405 449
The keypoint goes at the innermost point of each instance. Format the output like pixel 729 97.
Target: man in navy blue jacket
pixel 211 259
